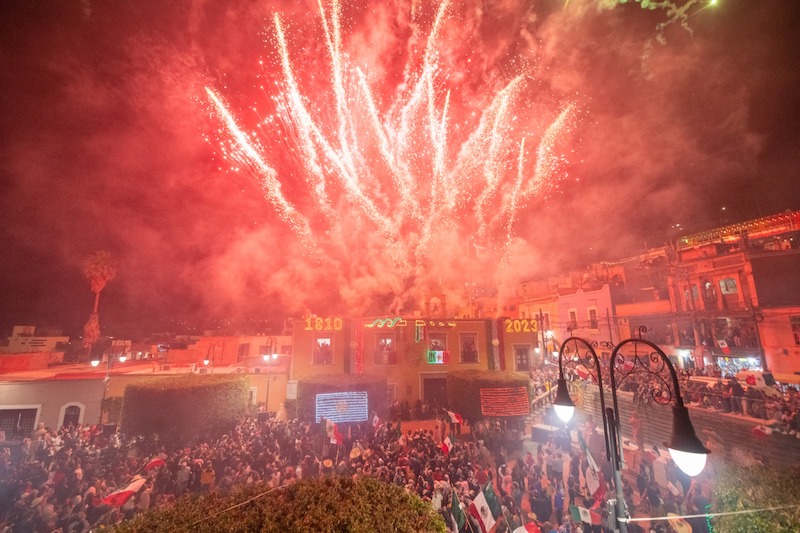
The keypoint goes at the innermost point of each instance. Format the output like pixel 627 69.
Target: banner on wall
pixel 505 401
pixel 350 406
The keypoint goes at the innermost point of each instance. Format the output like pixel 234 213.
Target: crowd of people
pixel 779 409
pixel 730 395
pixel 59 481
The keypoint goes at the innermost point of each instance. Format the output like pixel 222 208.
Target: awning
pixel 787 379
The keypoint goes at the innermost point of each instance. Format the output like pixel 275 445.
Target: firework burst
pixel 394 186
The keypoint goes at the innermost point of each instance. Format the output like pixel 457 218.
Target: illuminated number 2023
pixel 522 325
pixel 324 324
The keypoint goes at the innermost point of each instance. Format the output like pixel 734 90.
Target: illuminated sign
pixel 386 322
pixel 521 325
pixel 350 406
pixel 316 323
pixel 435 323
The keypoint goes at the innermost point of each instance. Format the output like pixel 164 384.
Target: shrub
pixel 338 504
pixel 183 407
pixel 757 487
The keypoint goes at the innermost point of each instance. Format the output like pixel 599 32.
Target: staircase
pixel 729 436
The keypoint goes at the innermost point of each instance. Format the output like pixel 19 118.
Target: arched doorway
pixel 72 414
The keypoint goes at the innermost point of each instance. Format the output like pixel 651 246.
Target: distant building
pixel 30 339
pixel 728 297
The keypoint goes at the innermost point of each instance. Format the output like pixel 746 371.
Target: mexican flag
pixel 457 514
pixel 333 432
pixel 447 445
pixel 455 418
pixel 723 346
pixel 119 497
pixel 491 498
pixel 479 508
pixel 582 514
pixel 154 463
pixel 594 478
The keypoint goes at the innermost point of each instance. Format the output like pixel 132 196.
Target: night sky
pixel 108 142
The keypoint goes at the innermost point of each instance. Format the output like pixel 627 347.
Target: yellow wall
pixel 406 366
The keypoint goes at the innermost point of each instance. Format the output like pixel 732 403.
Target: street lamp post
pixel 209 358
pixel 269 359
pixel 109 359
pixel 685 447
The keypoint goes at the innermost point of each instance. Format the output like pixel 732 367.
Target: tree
pixel 339 504
pixel 757 487
pixel 98 268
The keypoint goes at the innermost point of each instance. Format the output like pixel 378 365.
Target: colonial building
pixel 414 354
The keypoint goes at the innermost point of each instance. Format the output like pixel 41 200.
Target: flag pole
pixel 466 515
pixel 508 522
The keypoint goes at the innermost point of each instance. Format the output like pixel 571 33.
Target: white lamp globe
pixel 690 463
pixel 564 412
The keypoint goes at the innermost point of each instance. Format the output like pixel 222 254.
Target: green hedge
pixel 183 407
pixel 739 488
pixel 374 386
pixel 112 409
pixel 464 389
pixel 339 504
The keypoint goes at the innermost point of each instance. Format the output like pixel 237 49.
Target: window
pixel 469 347
pixel 728 286
pixel 437 349
pixel 573 319
pixel 522 358
pixel 323 355
pixel 709 295
pixel 690 296
pixel 593 318
pixel 545 322
pixel 244 351
pixel 17 423
pixel 385 353
pixel 795 321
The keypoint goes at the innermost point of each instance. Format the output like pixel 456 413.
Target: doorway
pixel 434 390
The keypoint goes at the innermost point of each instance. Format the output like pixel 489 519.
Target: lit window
pixel 469 348
pixel 728 286
pixel 385 353
pixel 323 355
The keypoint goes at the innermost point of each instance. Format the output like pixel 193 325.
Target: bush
pixel 183 407
pixel 464 389
pixel 757 487
pixel 112 409
pixel 338 504
pixel 374 386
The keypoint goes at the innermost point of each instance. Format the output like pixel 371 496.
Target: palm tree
pixel 98 268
